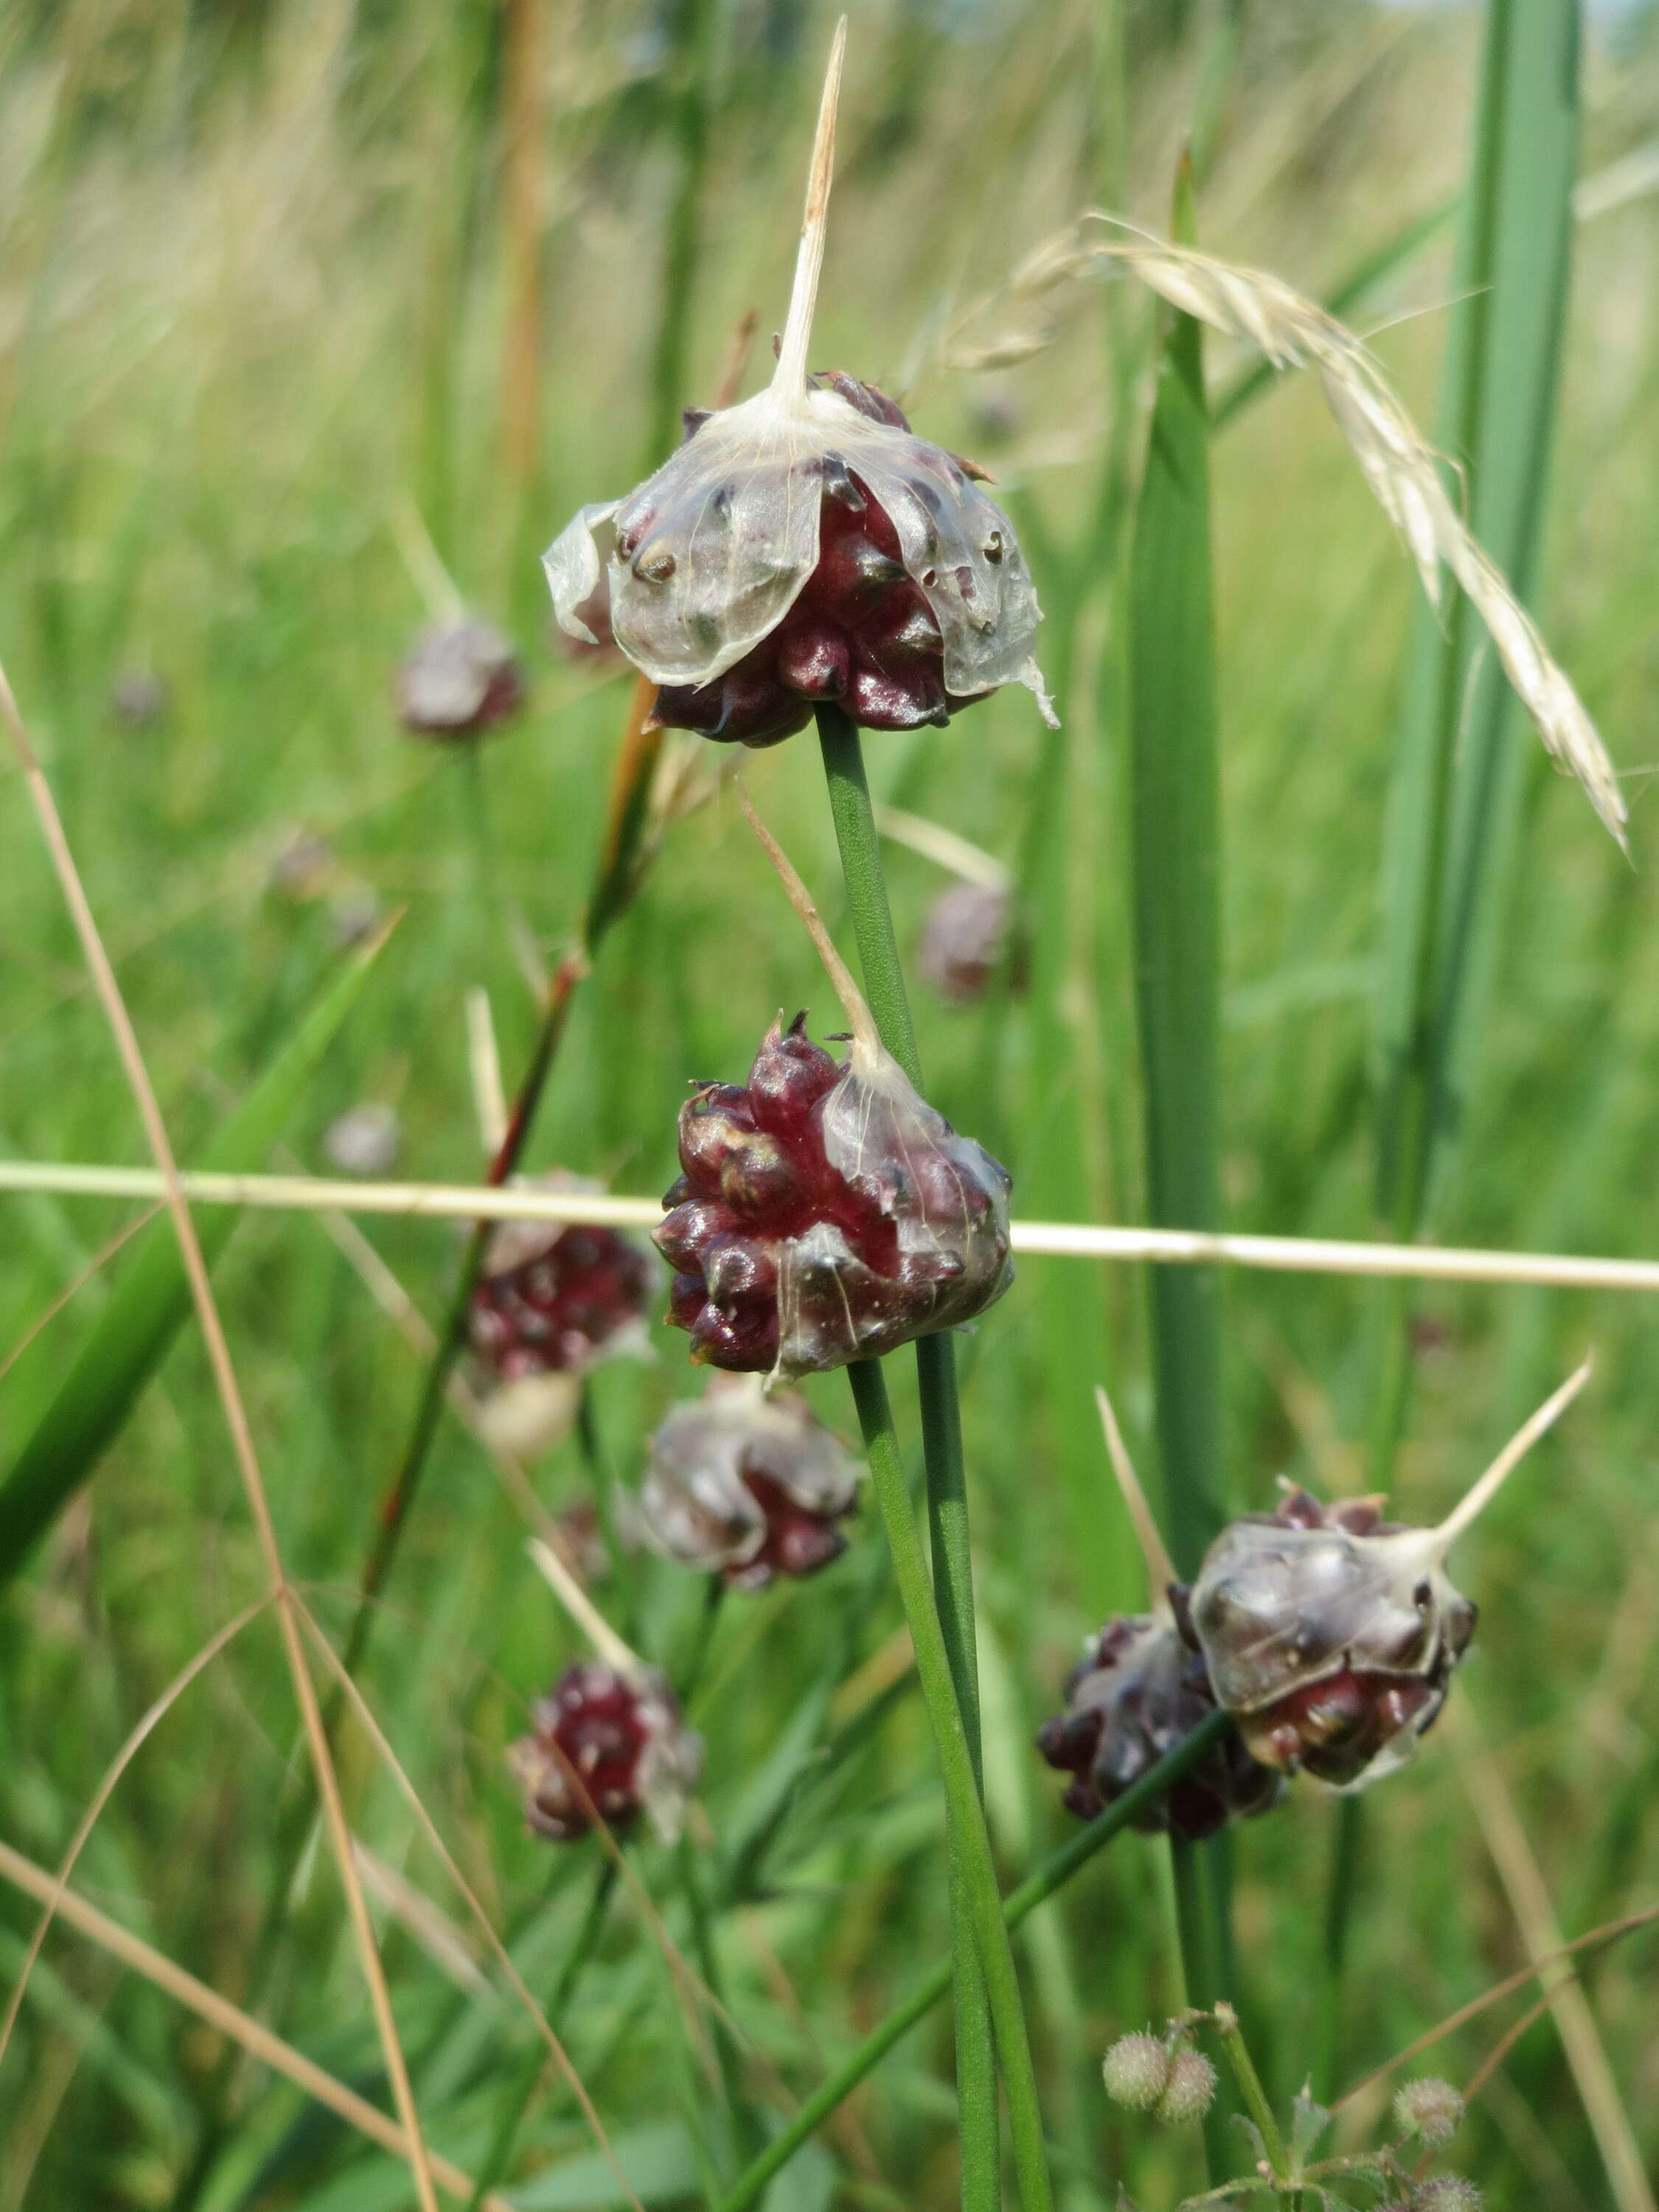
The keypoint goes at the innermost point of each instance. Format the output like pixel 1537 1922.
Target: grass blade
pixel 1176 837
pixel 152 1301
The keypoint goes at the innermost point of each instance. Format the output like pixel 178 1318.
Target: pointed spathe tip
pixel 1160 1571
pixel 789 378
pixel 1481 1493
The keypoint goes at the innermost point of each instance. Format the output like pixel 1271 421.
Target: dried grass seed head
pixel 803 546
pixel 1404 473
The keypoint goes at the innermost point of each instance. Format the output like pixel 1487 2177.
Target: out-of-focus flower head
pixel 606 1745
pixel 746 1486
pixel 459 679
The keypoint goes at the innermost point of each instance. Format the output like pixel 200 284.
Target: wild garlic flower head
pixel 827 1213
pixel 804 546
pixel 607 1746
pixel 1330 1635
pixel 746 1486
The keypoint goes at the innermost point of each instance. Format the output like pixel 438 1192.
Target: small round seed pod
pixel 606 1747
pixel 1330 1635
pixel 1446 2192
pixel 1189 2092
pixel 804 546
pixel 1136 2070
pixel 965 941
pixel 827 1213
pixel 1429 2109
pixel 1138 1692
pixel 458 679
pixel 747 1487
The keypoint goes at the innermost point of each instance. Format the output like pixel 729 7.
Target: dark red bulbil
pixel 551 1298
pixel 798 1541
pixel 784 1259
pixel 1136 1694
pixel 861 634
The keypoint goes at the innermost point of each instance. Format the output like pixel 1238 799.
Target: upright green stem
pixel 978 1883
pixel 1036 1889
pixel 1250 2089
pixel 1175 809
pixel 941 1423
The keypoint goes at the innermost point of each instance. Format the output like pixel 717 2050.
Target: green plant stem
pixel 1036 1889
pixel 1175 818
pixel 697 24
pixel 1250 2089
pixel 518 2104
pixel 941 1424
pixel 965 1812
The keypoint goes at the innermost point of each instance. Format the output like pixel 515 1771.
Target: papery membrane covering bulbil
pixel 609 1744
pixel 458 679
pixel 1139 1691
pixel 799 550
pixel 747 1486
pixel 826 1214
pixel 553 1298
pixel 1330 1634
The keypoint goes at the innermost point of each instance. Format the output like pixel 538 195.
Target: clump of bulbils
pixel 607 1746
pixel 459 679
pixel 746 1486
pixel 1160 2075
pixel 968 938
pixel 1137 1693
pixel 1330 1635
pixel 805 547
pixel 364 1140
pixel 552 1300
pixel 826 1212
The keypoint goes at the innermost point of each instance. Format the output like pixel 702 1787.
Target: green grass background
pixel 251 309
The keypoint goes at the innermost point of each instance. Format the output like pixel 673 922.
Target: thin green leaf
pixel 153 1299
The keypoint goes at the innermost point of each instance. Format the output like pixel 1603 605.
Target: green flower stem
pixel 976 1885
pixel 1036 1889
pixel 1250 2089
pixel 941 1426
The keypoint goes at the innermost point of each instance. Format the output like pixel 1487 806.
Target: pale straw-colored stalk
pixel 1058 1240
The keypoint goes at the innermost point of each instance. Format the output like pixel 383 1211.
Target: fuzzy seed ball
pixel 1447 2192
pixel 1189 2092
pixel 1431 2109
pixel 1136 2071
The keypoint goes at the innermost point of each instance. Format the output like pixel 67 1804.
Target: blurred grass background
pixel 261 299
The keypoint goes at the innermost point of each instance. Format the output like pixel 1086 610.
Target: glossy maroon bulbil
pixel 551 1298
pixel 798 1541
pixel 603 1748
pixel 1137 1693
pixel 775 1250
pixel 860 635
